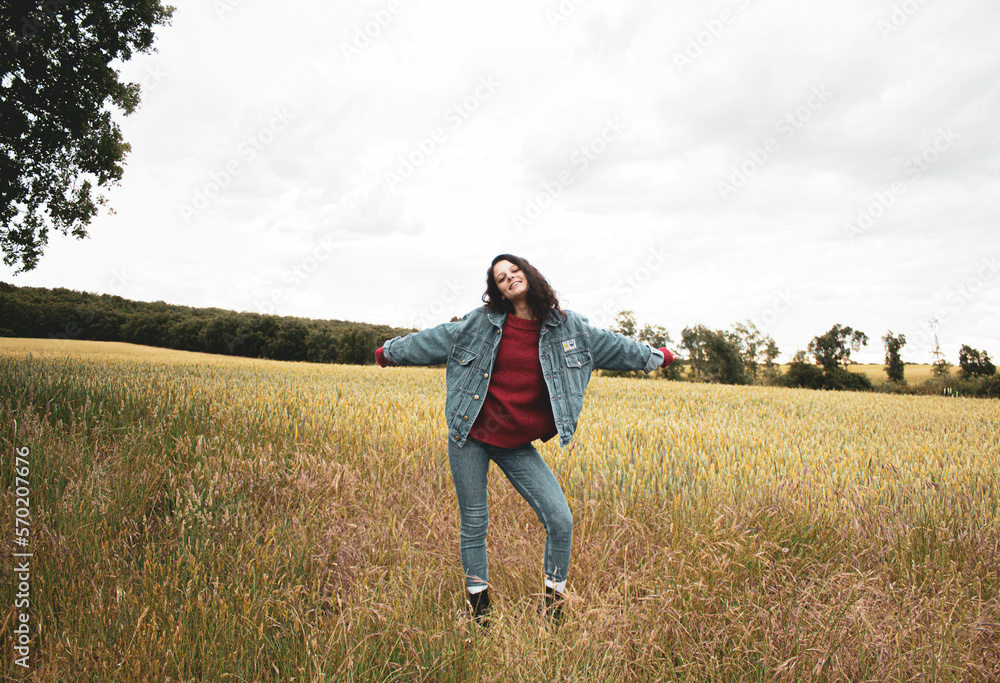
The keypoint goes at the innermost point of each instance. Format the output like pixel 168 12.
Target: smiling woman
pixel 517 370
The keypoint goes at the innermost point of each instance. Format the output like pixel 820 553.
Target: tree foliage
pixel 974 363
pixel 832 349
pixel 65 314
pixel 625 324
pixel 58 89
pixel 894 367
pixel 757 350
pixel 715 355
pixel 656 336
pixel 801 373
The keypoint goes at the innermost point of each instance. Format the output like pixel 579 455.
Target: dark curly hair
pixel 541 297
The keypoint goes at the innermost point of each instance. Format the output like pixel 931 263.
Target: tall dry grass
pixel 203 518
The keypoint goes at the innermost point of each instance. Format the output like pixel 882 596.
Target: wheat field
pixel 204 518
pixel 914 373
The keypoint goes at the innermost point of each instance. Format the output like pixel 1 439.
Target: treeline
pixel 740 355
pixel 745 355
pixel 39 312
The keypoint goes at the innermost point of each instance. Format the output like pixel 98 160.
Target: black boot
pixel 480 603
pixel 553 606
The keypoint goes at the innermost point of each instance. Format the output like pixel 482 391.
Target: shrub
pixel 802 374
pixel 845 380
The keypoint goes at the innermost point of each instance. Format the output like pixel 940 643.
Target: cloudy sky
pixel 797 164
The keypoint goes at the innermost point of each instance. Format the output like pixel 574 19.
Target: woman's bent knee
pixel 561 523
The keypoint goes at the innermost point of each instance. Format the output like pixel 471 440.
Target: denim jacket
pixel 569 349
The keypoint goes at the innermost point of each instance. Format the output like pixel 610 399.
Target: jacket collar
pixel 551 319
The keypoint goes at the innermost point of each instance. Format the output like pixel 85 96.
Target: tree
pixel 771 352
pixel 802 373
pixel 357 345
pixel 893 364
pixel 654 335
pixel 755 348
pixel 625 324
pixel 657 336
pixel 715 355
pixel 974 363
pixel 57 91
pixel 833 349
pixel 692 340
pixel 290 341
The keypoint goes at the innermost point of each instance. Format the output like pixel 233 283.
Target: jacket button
pixel 498 331
pixel 466 417
pixel 486 374
pixel 476 397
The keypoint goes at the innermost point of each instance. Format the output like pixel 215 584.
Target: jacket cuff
pixel 655 361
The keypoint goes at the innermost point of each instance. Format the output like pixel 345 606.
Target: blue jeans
pixel 532 478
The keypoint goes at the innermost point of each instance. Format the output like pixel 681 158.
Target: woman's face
pixel 510 280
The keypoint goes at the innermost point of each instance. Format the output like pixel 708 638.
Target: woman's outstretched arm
pixel 614 351
pixel 426 347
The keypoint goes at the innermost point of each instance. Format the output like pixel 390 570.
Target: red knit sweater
pixel 516 409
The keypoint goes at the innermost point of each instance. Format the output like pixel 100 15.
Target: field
pixel 914 374
pixel 202 518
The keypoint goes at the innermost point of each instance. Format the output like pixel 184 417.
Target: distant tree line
pixel 66 314
pixel 745 355
pixel 741 355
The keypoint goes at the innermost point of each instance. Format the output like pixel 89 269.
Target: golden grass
pixel 206 518
pixel 913 374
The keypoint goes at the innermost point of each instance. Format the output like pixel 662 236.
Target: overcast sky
pixel 797 164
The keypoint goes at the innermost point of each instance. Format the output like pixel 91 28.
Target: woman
pixel 517 370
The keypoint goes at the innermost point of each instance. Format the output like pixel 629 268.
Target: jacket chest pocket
pixel 461 365
pixel 579 365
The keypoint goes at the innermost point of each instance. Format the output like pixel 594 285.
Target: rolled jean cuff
pixel 557 587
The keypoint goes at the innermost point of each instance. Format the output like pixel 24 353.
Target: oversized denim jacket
pixel 569 349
